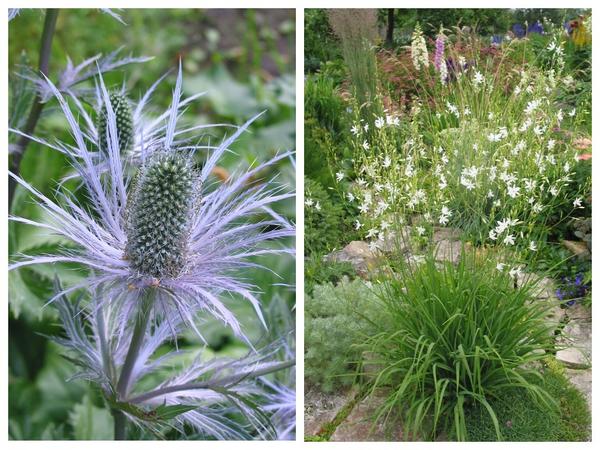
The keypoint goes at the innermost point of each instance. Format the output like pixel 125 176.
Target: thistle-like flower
pixel 171 229
pixel 162 243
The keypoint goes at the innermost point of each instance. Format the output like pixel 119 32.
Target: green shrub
pixel 521 419
pixel 456 336
pixel 322 219
pixel 320 44
pixel 333 325
pixel 317 146
pixel 317 271
pixel 323 102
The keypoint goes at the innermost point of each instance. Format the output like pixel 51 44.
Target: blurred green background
pixel 245 60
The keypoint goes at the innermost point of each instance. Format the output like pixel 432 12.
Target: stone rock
pixel 357 253
pixel 576 338
pixel 359 426
pixel 321 408
pixel 445 234
pixel 543 288
pixel 582 380
pixel 578 248
pixel 447 250
pixel 573 357
pixel 555 316
pixel 397 243
pixel 578 312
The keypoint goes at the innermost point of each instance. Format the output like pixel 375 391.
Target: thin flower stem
pixel 137 338
pixel 223 382
pixel 36 109
pixel 120 425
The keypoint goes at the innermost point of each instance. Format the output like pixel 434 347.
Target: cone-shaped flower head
pixel 124 120
pixel 159 217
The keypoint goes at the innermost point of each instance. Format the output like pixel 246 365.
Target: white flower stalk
pixel 418 49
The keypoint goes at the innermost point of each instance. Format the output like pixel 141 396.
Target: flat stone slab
pixel 447 250
pixel 576 337
pixel 446 234
pixel 358 426
pixel 582 380
pixel 357 253
pixel 321 408
pixel 578 248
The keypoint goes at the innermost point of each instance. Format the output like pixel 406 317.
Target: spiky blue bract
pixel 72 76
pixel 216 387
pixel 124 122
pixel 227 226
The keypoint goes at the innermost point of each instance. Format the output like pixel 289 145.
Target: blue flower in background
pixel 535 28
pixel 518 30
pixel 572 289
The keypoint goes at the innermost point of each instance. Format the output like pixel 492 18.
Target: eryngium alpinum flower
pixel 171 229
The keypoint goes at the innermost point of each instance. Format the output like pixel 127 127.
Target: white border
pixel 299 5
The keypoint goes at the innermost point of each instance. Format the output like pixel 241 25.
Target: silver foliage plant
pixel 164 245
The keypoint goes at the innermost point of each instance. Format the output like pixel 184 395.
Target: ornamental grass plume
pixel 162 243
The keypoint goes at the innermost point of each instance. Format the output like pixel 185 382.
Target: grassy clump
pixel 456 336
pixel 521 419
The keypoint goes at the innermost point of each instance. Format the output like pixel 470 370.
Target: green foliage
pixel 522 419
pixel 455 336
pixel 317 271
pixel 90 422
pixel 485 20
pixel 323 219
pixel 320 44
pixel 319 152
pixel 323 102
pixel 334 324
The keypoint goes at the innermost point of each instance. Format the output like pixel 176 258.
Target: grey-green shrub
pixel 334 324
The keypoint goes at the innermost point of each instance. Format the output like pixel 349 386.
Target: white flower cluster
pixel 418 49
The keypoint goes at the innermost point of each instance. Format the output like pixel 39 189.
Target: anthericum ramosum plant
pixel 469 154
pixel 450 336
pixel 163 246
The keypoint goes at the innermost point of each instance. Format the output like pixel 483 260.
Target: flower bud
pixel 124 121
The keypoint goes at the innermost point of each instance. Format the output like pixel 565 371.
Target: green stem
pixel 210 384
pixel 137 338
pixel 36 109
pixel 120 425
